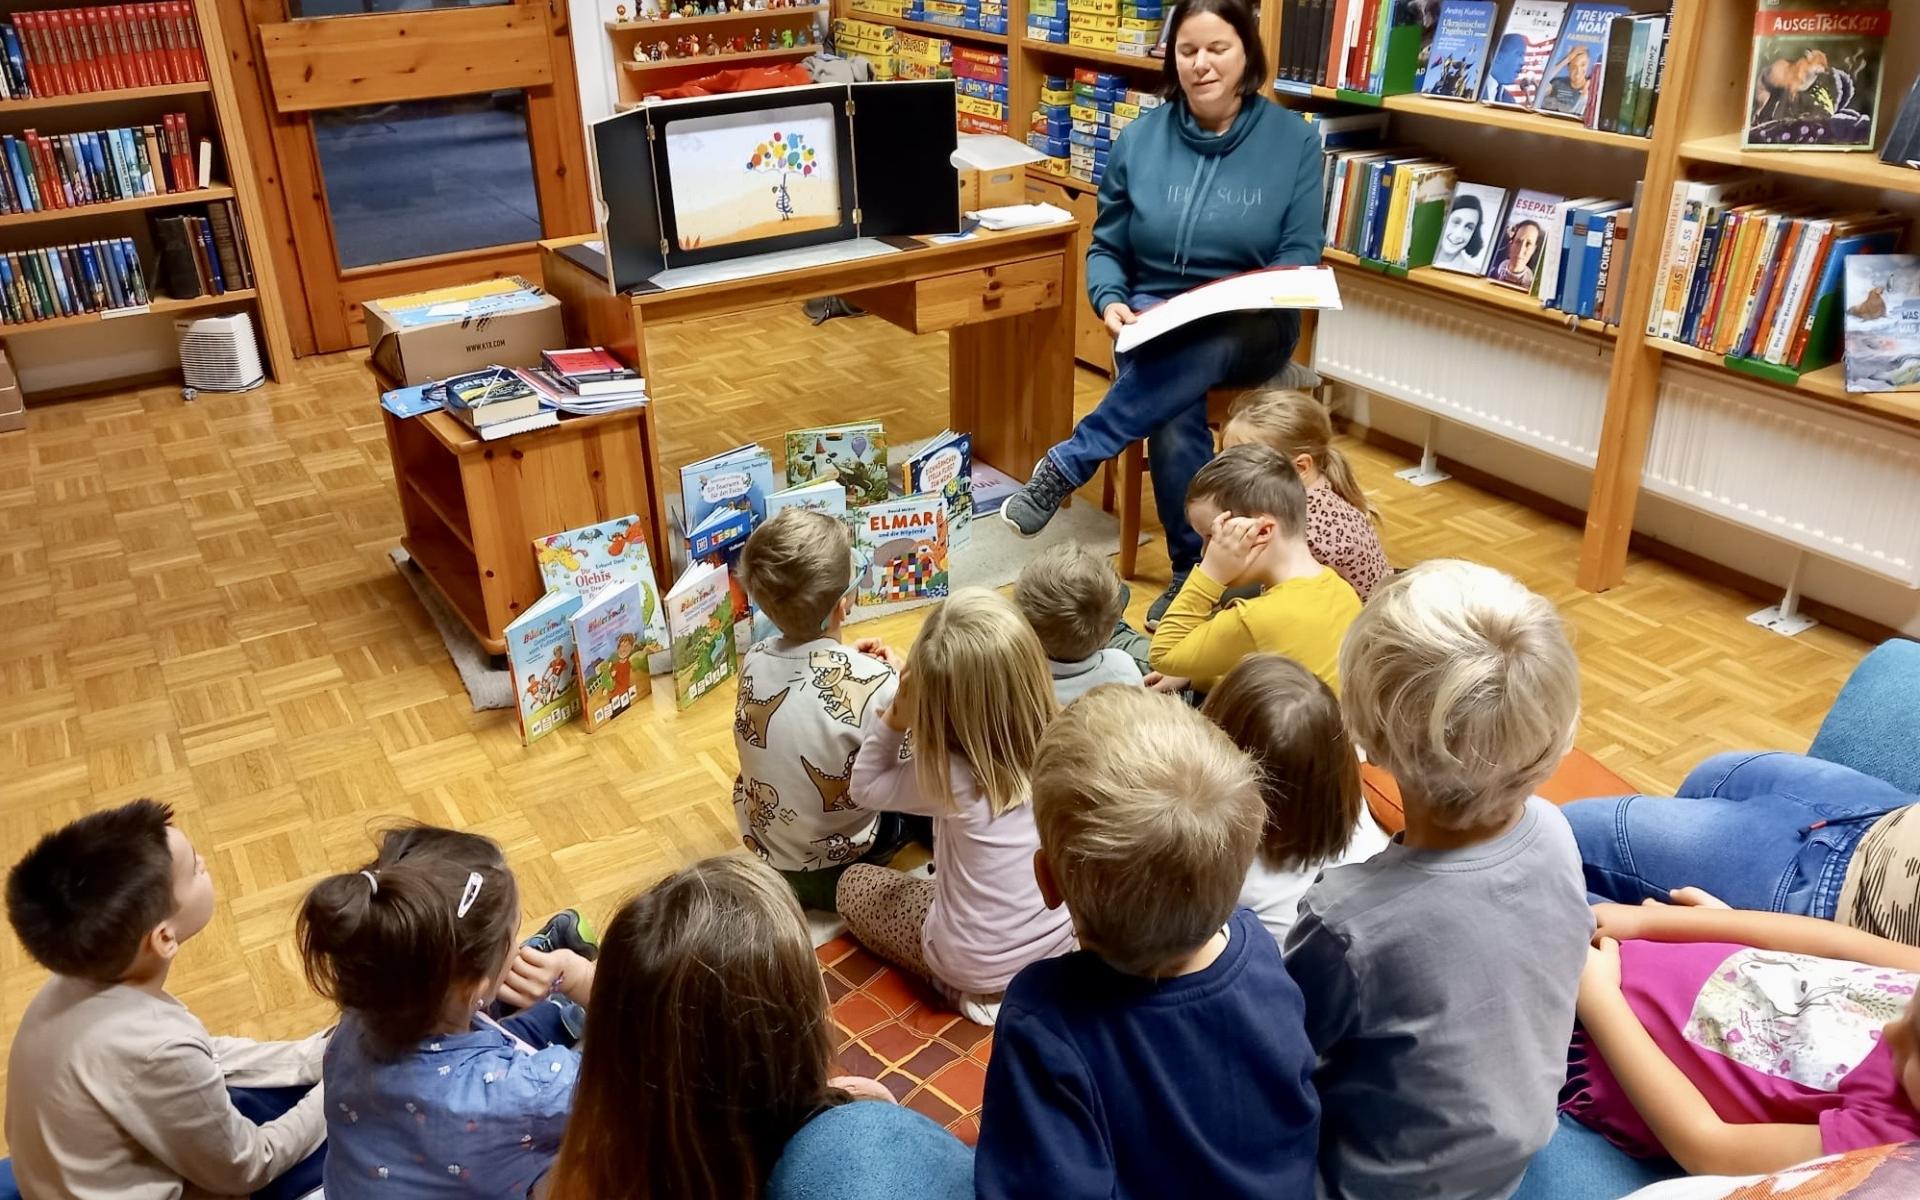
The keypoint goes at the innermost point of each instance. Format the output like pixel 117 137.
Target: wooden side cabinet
pixel 1092 344
pixel 472 509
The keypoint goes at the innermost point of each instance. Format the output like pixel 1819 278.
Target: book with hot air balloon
pixel 855 453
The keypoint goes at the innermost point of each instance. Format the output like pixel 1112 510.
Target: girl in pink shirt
pixel 975 697
pixel 1742 1042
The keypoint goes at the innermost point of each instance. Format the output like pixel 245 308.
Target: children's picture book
pixel 1462 36
pixel 1472 228
pixel 902 547
pixel 719 543
pixel 1903 144
pixel 1519 59
pixel 945 466
pixel 1516 261
pixel 991 487
pixel 1883 323
pixel 1571 85
pixel 608 655
pixel 823 496
pixel 540 664
pixel 856 453
pixel 1816 73
pixel 610 554
pixel 700 619
pixel 741 478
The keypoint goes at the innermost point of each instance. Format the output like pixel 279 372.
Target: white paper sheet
pixel 1021 216
pixel 850 250
pixel 992 152
pixel 1253 291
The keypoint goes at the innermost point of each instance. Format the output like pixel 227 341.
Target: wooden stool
pixel 1132 463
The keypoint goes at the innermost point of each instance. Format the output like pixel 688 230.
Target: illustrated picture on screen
pixel 740 177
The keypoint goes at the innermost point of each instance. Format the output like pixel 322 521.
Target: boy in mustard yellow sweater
pixel 1252 513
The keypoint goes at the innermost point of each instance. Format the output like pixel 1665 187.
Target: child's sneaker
pixel 567 930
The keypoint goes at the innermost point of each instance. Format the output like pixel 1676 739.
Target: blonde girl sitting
pixel 976 695
pixel 1340 519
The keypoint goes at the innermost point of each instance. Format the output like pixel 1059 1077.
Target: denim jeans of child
pixel 1760 830
pixel 1159 393
pixel 262 1105
pixel 1579 1164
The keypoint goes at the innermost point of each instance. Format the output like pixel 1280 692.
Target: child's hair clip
pixel 468 894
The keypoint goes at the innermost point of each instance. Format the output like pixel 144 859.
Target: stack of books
pixel 495 402
pixel 202 254
pixel 39 171
pixel 584 382
pixel 68 51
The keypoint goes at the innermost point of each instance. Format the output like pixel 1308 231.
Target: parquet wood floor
pixel 195 604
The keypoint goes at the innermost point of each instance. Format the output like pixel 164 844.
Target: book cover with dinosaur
pixel 593 558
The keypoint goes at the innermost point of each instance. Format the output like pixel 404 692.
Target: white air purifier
pixel 218 354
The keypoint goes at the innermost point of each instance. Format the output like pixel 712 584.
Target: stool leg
pixel 1106 486
pixel 1132 468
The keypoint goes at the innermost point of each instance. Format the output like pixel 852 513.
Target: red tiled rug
pixel 892 1027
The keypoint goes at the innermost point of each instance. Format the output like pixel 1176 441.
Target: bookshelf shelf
pixel 1065 181
pixel 41 104
pixel 1474 113
pixel 725 18
pixel 1828 385
pixel 137 203
pixel 1478 291
pixel 706 60
pixel 931 29
pixel 161 306
pixel 1110 58
pixel 1857 169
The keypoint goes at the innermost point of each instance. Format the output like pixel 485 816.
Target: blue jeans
pixel 1159 393
pixel 1767 831
pixel 264 1104
pixel 1579 1164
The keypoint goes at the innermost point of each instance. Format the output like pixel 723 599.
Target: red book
pixel 37 83
pixel 87 35
pixel 137 36
pixel 69 53
pixel 196 53
pixel 183 163
pixel 118 23
pixel 52 61
pixel 51 192
pixel 168 43
pixel 109 55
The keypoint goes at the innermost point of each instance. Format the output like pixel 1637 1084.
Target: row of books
pixel 1747 278
pixel 39 172
pixel 68 51
pixel 202 254
pixel 70 280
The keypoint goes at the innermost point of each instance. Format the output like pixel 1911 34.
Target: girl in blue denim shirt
pixel 427 1095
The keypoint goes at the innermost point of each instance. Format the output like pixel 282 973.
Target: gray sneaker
pixel 1159 607
pixel 1029 509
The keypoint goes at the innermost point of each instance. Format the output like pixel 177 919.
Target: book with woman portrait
pixel 1516 261
pixel 1471 229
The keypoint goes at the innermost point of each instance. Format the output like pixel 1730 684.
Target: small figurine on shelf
pixel 758 41
pixel 712 46
pixel 686 46
pixel 620 13
pixel 736 45
pixel 658 51
pixel 786 39
pixel 689 9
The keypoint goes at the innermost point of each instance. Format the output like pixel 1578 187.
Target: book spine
pixel 1759 271
pixel 1713 238
pixel 1668 282
pixel 1734 284
pixel 1773 288
pixel 1800 293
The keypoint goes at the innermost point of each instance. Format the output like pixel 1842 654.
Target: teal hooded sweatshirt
pixel 1180 207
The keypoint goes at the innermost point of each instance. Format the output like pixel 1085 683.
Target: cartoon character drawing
pixel 753 843
pixel 846 696
pixel 535 692
pixel 760 802
pixel 559 552
pixel 834 789
pixel 752 715
pixel 625 648
pixel 837 848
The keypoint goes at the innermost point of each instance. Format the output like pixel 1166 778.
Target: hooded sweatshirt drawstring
pixel 1204 169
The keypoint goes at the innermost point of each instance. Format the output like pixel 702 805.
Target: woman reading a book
pixel 1217 181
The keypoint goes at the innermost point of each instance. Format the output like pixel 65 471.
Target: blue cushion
pixel 1874 724
pixel 871 1150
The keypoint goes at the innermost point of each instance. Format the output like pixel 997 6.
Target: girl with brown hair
pixel 1288 722
pixel 707 1072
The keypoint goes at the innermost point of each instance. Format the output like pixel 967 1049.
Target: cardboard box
pixel 416 354
pixel 6 373
pixel 13 412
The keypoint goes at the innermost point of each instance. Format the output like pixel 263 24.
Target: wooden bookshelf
pixel 1828 385
pixel 1512 119
pixel 1082 54
pixel 162 306
pixel 665 24
pixel 108 208
pixel 43 104
pixel 718 60
pixel 1066 181
pixel 1855 169
pixel 1477 291
pixel 930 29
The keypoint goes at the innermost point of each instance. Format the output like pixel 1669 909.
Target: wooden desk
pixel 1004 300
pixel 472 509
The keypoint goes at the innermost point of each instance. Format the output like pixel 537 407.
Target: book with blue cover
pixel 945 466
pixel 823 495
pixel 740 479
pixel 540 665
pixel 1462 36
pixel 593 558
pixel 1520 58
pixel 1571 85
pixel 608 655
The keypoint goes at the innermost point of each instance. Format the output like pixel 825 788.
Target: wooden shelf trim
pixel 1036 171
pixel 725 18
pixel 1479 291
pixel 1109 57
pixel 701 60
pixel 1469 112
pixel 161 306
pixel 1856 168
pixel 135 204
pixel 448 515
pixel 932 29
pixel 1827 385
pixel 163 91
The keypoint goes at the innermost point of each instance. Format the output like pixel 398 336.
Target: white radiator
pixel 1811 475
pixel 1510 377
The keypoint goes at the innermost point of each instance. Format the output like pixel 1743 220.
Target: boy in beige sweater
pixel 114 1089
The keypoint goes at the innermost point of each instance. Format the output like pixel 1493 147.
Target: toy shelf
pixel 702 60
pixel 725 18
pixel 930 29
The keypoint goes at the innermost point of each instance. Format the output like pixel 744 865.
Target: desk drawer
pixel 968 297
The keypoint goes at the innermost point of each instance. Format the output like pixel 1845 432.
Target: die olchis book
pixel 944 466
pixel 540 663
pixel 1814 83
pixel 855 453
pixel 700 620
pixel 608 655
pixel 741 479
pixel 1572 82
pixel 902 548
pixel 1461 38
pixel 1519 59
pixel 588 560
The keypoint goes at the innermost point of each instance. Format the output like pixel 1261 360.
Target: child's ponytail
pixel 1295 423
pixel 390 942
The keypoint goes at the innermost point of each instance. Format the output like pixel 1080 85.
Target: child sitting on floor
pixel 976 695
pixel 1340 519
pixel 1251 513
pixel 1167 1057
pixel 1440 974
pixel 1073 598
pixel 113 1088
pixel 427 1095
pixel 709 1051
pixel 1739 1042
pixel 1289 723
pixel 802 702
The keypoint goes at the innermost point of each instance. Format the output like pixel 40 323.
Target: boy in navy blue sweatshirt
pixel 1106 1078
